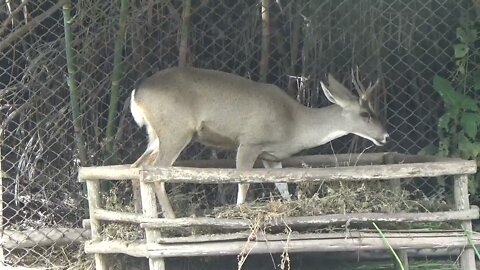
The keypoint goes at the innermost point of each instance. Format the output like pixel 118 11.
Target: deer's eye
pixel 365 114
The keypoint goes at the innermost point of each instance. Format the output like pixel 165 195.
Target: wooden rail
pixel 323 242
pixel 370 167
pixel 297 175
pixel 294 222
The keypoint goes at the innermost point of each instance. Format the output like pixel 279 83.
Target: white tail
pixel 258 120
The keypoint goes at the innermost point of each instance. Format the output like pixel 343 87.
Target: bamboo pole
pixel 185 33
pixel 72 83
pixel 294 44
pixel 116 78
pixel 467 258
pixel 265 53
pixel 74 93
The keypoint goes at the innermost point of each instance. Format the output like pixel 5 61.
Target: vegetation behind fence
pixel 112 45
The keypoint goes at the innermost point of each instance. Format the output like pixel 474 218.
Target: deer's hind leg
pixel 146 158
pixel 172 141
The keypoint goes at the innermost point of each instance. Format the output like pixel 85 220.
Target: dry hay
pixel 311 200
pixel 334 198
pixel 327 198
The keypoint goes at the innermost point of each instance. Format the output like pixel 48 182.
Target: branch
pixel 12 37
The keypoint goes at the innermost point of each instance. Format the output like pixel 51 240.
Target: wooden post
pixel 396 187
pixel 396 184
pixel 403 256
pixel 93 190
pixel 149 209
pixel 467 258
pixel 2 255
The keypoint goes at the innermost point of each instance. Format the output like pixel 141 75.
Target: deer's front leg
pixel 246 156
pixel 282 187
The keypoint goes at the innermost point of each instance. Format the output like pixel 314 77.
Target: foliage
pixel 459 126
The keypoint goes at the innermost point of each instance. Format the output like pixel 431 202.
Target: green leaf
pixel 467 103
pixel 467 34
pixel 443 147
pixel 461 64
pixel 444 121
pixel 446 91
pixel 469 150
pixel 476 79
pixel 461 50
pixel 470 123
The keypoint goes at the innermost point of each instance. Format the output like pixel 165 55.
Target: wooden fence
pixel 365 167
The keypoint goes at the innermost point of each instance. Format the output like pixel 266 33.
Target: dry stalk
pixel 285 261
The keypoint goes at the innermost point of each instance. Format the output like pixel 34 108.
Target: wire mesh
pixel 403 43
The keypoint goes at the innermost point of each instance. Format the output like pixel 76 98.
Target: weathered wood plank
pixel 324 242
pixel 115 172
pixel 302 236
pixel 472 213
pixel 294 175
pixel 94 202
pixel 313 245
pixel 132 248
pixel 108 215
pixel 336 160
pixel 398 158
pixel 125 172
pixel 353 159
pixel 149 210
pixel 467 258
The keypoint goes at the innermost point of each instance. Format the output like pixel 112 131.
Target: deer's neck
pixel 316 127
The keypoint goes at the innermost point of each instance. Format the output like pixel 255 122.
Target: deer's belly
pixel 210 137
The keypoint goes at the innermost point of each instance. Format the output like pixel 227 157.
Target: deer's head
pixel 357 112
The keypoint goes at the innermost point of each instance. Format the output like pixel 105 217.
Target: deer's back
pixel 223 106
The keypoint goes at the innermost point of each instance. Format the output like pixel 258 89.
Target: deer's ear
pixel 327 93
pixel 338 94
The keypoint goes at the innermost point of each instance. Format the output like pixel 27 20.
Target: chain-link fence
pixel 404 43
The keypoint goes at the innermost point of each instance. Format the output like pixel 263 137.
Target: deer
pixel 260 121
